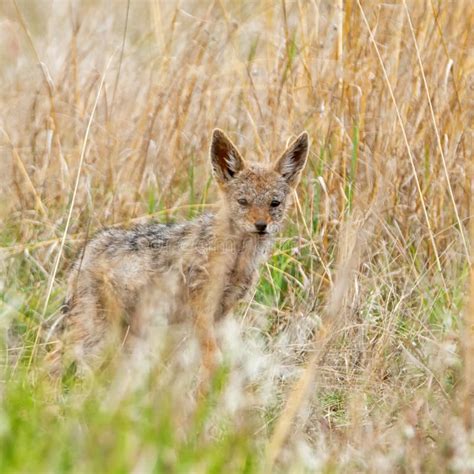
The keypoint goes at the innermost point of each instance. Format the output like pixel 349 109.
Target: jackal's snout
pixel 261 226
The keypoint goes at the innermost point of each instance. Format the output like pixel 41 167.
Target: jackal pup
pixel 124 281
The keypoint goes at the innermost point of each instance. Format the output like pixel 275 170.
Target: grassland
pixel 356 352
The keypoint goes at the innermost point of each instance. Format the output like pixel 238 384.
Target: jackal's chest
pixel 212 283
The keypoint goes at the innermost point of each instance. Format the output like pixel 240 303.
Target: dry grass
pixel 353 353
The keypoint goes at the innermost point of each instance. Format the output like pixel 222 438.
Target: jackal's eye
pixel 243 202
pixel 275 203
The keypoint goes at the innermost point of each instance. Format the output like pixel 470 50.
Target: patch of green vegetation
pixel 282 271
pixel 333 406
pixel 78 431
pixel 154 203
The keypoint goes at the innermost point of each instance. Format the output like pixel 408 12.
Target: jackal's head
pixel 255 197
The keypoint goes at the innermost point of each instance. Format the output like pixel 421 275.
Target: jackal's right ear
pixel 225 159
pixel 292 162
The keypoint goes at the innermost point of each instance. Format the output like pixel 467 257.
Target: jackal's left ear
pixel 225 159
pixel 292 162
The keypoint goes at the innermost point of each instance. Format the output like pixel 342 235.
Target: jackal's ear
pixel 292 162
pixel 225 159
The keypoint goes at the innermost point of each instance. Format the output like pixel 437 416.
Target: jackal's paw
pixel 210 363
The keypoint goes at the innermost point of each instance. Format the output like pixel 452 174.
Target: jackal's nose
pixel 260 226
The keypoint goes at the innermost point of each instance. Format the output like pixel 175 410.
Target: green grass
pixel 79 433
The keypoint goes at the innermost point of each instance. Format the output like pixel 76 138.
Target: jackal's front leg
pixel 208 346
pixel 207 341
pixel 204 319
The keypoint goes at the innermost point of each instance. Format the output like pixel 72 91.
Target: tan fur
pixel 126 282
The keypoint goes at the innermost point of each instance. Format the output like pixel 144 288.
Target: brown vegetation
pixel 351 351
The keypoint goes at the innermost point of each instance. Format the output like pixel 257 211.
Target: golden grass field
pixel 356 351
